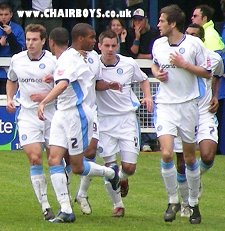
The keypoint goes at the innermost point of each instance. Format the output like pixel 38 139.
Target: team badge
pixel 42 66
pixel 100 149
pixel 24 137
pixel 90 60
pixel 159 128
pixel 60 72
pixel 119 71
pixel 182 50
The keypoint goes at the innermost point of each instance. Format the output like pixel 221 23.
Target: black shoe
pixel 195 217
pixel 48 214
pixel 115 182
pixel 171 212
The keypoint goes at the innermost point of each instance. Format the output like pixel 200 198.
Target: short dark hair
pixel 206 11
pixel 6 6
pixel 107 34
pixel 201 33
pixel 60 36
pixel 174 14
pixel 80 29
pixel 37 28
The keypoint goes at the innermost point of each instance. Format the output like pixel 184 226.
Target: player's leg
pixel 169 174
pixel 38 180
pixel 81 196
pixel 181 177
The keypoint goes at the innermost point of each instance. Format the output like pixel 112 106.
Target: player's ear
pixel 99 46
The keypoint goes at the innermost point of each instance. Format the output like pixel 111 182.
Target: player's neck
pixel 109 61
pixel 36 55
pixel 175 38
pixel 60 50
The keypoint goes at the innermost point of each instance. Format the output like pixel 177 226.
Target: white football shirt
pixel 29 74
pixel 113 102
pixel 72 67
pixel 182 85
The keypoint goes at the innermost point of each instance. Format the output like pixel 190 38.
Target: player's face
pixel 34 43
pixel 163 25
pixel 116 26
pixel 197 17
pixel 108 48
pixel 192 31
pixel 89 41
pixel 5 16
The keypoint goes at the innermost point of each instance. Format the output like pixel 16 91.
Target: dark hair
pixel 107 34
pixel 80 29
pixel 122 22
pixel 6 6
pixel 37 28
pixel 60 36
pixel 206 11
pixel 174 14
pixel 201 30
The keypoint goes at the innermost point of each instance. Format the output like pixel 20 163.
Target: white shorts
pixel 31 129
pixel 118 134
pixel 71 130
pixel 177 119
pixel 95 126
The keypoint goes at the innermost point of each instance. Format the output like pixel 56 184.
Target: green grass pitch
pixel 145 203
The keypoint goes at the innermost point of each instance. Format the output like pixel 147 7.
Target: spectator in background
pixel 48 23
pixel 202 16
pixel 118 26
pixel 220 26
pixel 141 36
pixel 12 40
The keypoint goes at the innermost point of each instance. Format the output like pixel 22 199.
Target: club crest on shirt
pixel 60 72
pixel 159 128
pixel 119 71
pixel 182 50
pixel 42 66
pixel 24 137
pixel 100 149
pixel 90 60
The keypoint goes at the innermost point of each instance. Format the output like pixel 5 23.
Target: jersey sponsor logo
pixel 90 60
pixel 182 50
pixel 60 72
pixel 24 137
pixel 163 66
pixel 30 80
pixel 119 71
pixel 42 66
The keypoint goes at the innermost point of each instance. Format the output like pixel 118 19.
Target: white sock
pixel 184 193
pixel 99 170
pixel 114 195
pixel 122 174
pixel 193 179
pixel 59 183
pixel 40 188
pixel 85 182
pixel 169 174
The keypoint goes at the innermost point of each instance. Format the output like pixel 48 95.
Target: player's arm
pixel 11 88
pixel 52 95
pixel 158 73
pixel 214 104
pixel 102 85
pixel 178 60
pixel 147 100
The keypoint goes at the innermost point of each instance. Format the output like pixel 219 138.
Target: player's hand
pixel 162 75
pixel 48 78
pixel 214 104
pixel 177 60
pixel 148 103
pixel 10 106
pixel 115 86
pixel 41 108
